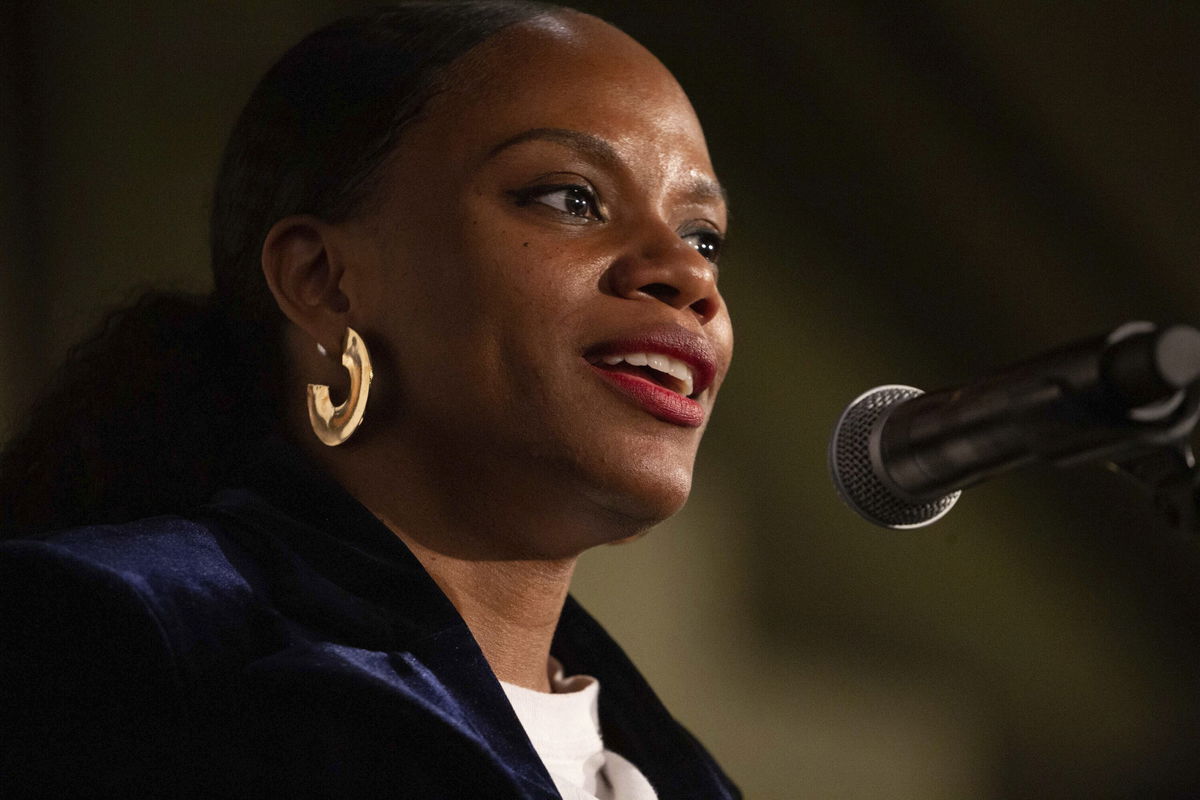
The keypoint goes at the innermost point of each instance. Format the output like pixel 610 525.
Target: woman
pixel 504 213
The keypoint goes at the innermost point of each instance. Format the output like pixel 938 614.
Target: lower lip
pixel 659 402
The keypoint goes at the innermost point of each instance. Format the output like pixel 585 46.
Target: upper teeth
pixel 657 361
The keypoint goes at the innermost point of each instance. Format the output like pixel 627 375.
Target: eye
pixel 707 243
pixel 574 200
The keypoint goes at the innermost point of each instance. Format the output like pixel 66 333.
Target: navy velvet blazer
pixel 280 642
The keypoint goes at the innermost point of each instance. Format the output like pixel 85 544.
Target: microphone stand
pixel 1166 467
pixel 1170 475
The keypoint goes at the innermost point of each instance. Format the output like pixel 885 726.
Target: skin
pixel 490 447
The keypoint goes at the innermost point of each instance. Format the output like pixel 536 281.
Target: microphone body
pixel 900 457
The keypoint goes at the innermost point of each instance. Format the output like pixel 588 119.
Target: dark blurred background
pixel 922 192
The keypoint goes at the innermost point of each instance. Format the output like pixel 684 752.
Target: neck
pixel 511 607
pixel 503 553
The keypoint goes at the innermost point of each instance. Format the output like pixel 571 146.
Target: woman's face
pixel 550 213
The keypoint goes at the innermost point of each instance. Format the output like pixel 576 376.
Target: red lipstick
pixel 660 402
pixel 642 389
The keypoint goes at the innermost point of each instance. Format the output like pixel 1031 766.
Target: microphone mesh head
pixel 854 476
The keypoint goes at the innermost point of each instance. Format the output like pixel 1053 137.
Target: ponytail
pixel 149 415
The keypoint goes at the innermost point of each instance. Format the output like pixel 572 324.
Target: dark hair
pixel 154 412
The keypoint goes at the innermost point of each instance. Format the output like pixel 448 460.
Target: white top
pixel 564 726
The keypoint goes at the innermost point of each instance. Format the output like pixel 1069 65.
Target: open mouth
pixel 662 370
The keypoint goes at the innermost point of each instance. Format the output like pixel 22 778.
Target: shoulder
pixel 89 676
pixel 165 568
pixel 137 559
pixel 113 642
pixel 169 584
pixel 150 548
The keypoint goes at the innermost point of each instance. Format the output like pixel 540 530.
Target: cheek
pixel 531 289
pixel 721 329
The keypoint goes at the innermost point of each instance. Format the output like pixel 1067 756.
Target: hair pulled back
pixel 158 408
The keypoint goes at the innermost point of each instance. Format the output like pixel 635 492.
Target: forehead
pixel 570 72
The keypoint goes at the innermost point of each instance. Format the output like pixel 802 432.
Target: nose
pixel 665 268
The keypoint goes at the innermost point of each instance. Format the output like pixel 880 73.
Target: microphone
pixel 900 457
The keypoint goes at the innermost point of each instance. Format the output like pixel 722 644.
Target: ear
pixel 305 278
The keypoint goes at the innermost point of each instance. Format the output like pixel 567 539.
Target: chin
pixel 645 495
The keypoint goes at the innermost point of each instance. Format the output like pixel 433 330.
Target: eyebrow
pixel 699 187
pixel 586 142
pixel 702 187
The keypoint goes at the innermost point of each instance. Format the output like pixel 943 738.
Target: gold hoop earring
pixel 332 424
